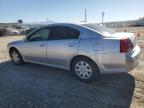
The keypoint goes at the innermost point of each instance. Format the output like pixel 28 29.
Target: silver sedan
pixel 87 50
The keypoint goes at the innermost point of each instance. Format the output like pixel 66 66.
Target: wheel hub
pixel 15 57
pixel 83 69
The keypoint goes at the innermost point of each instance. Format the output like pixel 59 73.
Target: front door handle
pixel 71 44
pixel 42 45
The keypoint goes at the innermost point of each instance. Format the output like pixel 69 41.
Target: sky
pixel 70 10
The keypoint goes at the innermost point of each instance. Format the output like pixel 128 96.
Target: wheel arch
pixel 83 56
pixel 14 48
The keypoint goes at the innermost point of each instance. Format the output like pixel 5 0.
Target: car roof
pixel 79 27
pixel 64 24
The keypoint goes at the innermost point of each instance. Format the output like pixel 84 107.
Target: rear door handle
pixel 42 45
pixel 71 44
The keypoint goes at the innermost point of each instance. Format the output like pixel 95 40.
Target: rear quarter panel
pixel 105 52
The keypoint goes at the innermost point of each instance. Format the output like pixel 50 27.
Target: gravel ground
pixel 36 86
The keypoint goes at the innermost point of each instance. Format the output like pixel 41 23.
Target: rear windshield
pixel 99 28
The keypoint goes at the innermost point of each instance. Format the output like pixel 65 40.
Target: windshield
pixel 99 28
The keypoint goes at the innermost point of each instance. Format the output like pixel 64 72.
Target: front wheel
pixel 16 57
pixel 85 69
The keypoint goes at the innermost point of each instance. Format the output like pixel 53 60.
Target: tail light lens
pixel 125 45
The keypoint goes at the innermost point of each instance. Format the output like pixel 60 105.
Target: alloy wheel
pixel 83 70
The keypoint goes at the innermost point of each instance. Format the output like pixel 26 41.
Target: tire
pixel 16 57
pixel 85 69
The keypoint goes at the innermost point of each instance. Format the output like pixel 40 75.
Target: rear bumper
pixel 133 58
pixel 117 62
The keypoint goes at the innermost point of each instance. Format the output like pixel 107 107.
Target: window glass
pixel 40 35
pixel 61 32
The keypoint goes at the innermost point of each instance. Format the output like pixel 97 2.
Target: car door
pixel 34 48
pixel 62 45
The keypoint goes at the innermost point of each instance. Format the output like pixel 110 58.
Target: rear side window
pixel 62 32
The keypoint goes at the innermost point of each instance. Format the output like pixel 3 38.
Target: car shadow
pixel 31 84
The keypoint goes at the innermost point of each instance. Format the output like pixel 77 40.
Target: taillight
pixel 125 45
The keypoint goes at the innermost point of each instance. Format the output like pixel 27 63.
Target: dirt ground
pixel 36 86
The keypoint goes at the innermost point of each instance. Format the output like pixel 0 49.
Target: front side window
pixel 39 35
pixel 62 33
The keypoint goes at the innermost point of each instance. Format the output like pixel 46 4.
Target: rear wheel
pixel 16 57
pixel 85 69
